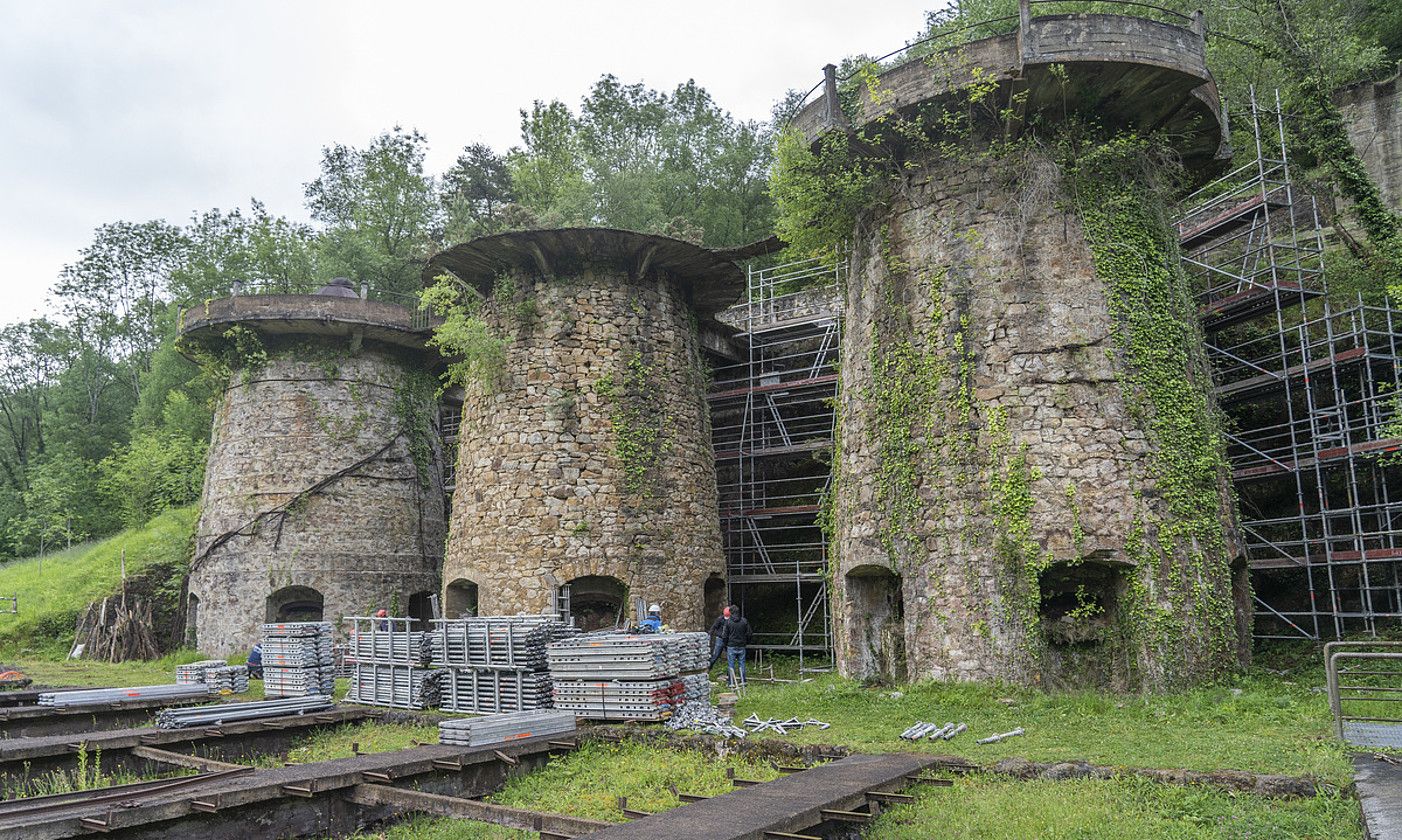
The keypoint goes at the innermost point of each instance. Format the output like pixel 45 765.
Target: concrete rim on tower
pixel 1126 70
pixel 710 278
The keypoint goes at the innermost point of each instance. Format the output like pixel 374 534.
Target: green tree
pixel 475 193
pixel 255 247
pixel 379 210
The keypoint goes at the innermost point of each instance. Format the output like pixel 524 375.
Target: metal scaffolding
pixel 1309 393
pixel 772 431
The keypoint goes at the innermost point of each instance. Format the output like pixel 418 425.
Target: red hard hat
pixel 381 614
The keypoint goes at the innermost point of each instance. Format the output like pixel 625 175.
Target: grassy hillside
pixel 54 590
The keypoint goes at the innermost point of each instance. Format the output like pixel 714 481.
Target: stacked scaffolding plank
pixel 1310 394
pixel 772 430
pixel 622 676
pixel 388 664
pixel 297 659
pixel 502 728
pixel 495 664
pixel 216 675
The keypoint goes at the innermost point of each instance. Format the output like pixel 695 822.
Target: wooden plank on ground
pixel 471 809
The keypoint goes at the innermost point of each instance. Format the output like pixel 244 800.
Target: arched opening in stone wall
pixel 1079 601
pixel 192 618
pixel 460 599
pixel 877 625
pixel 597 602
pixel 421 608
pixel 295 603
pixel 713 599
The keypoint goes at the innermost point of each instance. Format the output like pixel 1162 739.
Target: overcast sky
pixel 140 110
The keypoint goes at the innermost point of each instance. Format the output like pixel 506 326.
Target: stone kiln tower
pixel 584 465
pixel 1031 483
pixel 323 492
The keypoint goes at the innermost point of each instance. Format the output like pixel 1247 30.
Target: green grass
pixel 997 808
pixel 419 827
pixel 55 589
pixel 588 781
pixel 1260 721
pixel 82 672
pixel 369 736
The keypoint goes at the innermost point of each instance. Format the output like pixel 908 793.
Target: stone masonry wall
pixel 1373 113
pixel 984 427
pixel 590 455
pixel 370 540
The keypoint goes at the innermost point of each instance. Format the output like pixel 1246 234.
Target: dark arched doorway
pixel 295 603
pixel 713 599
pixel 877 640
pixel 460 599
pixel 597 601
pixel 421 608
pixel 192 621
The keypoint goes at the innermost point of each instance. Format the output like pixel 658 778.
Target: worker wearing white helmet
pixel 653 622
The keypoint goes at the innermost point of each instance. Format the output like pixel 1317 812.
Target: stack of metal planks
pixel 388 664
pixel 624 676
pixel 297 659
pixel 496 729
pixel 230 712
pixel 91 696
pixel 193 673
pixel 496 663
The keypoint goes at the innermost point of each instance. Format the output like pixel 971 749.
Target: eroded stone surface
pixel 989 283
pixel 594 363
pixel 370 540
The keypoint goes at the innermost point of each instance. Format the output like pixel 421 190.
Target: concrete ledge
pixel 312 315
pixel 1127 69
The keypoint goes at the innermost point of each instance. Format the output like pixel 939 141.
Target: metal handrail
pixel 1333 652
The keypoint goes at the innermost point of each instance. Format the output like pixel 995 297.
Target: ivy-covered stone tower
pixel 1031 483
pixel 584 456
pixel 323 493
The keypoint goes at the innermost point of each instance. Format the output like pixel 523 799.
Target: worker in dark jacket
pixel 737 638
pixel 718 637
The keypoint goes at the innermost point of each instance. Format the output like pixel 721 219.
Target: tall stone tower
pixel 1031 483
pixel 584 465
pixel 323 492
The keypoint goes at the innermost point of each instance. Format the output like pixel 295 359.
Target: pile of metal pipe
pixel 993 739
pixel 933 731
pixel 229 712
pixel 514 726
pixel 93 696
pixel 781 727
pixel 297 659
pixel 703 717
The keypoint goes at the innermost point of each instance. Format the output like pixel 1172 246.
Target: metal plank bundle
pixel 492 690
pixel 193 673
pixel 230 678
pixel 230 712
pixel 496 729
pixel 396 686
pixel 496 663
pixel 386 640
pixel 86 697
pixel 626 676
pixel 513 642
pixel 297 659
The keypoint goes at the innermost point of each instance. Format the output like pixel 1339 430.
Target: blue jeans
pixel 735 660
pixel 717 648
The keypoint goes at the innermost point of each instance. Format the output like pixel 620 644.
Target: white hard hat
pixel 654 608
